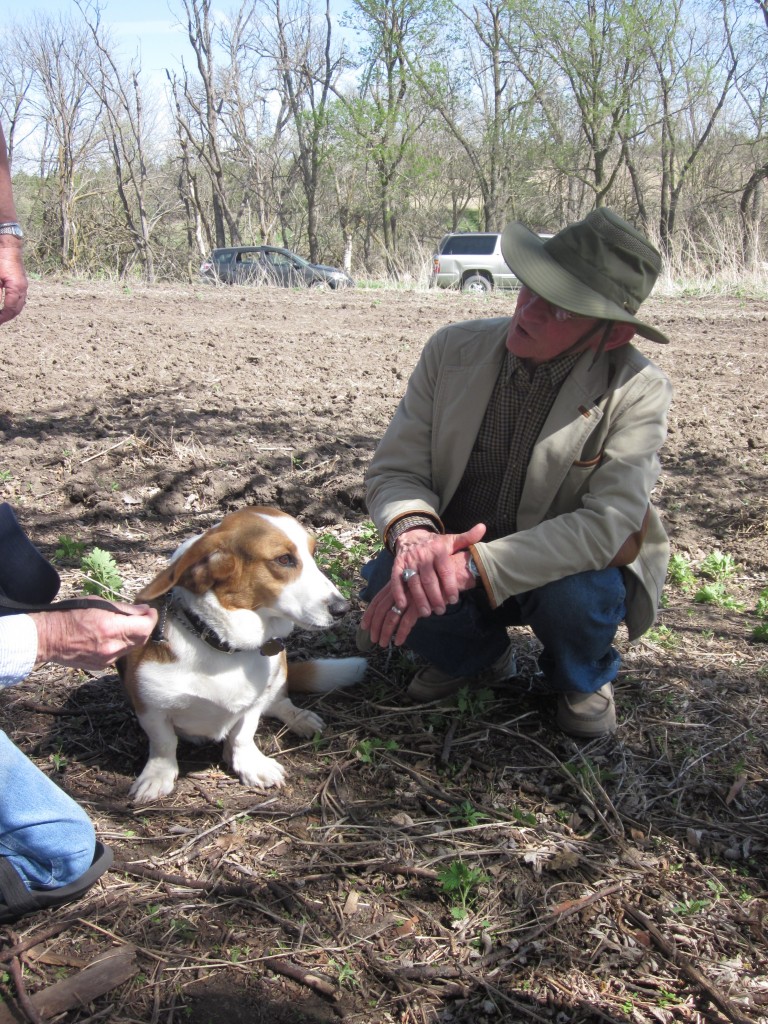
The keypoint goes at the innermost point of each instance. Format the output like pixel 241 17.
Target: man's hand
pixel 440 561
pixel 91 638
pixel 13 278
pixel 429 555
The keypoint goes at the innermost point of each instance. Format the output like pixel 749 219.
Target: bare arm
pixel 13 277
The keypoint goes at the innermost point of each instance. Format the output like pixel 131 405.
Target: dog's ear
pixel 196 569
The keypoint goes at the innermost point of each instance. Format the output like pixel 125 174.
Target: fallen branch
pixel 104 974
pixel 306 977
pixel 689 970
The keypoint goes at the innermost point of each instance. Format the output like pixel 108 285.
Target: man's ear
pixel 620 335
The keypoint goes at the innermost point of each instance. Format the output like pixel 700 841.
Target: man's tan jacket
pixel 586 499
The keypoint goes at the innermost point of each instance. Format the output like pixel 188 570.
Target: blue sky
pixel 147 27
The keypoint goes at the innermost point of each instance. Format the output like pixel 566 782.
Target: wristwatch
pixel 10 227
pixel 472 566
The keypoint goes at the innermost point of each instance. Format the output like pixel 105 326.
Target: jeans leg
pixel 463 641
pixel 47 837
pixel 576 619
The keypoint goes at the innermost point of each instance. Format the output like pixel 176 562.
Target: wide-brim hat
pixel 599 267
pixel 26 575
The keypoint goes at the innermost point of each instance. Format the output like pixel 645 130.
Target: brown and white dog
pixel 216 662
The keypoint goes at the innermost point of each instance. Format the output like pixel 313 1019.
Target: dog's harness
pixel 199 628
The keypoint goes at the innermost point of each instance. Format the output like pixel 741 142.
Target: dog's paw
pixel 305 723
pixel 254 769
pixel 153 783
pixel 298 720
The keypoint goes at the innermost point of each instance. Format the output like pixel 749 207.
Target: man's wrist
pixel 10 228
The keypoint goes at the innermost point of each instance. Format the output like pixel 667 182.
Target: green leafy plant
pixel 68 549
pixel 681 572
pixel 366 750
pixel 467 814
pixel 473 703
pixel 716 593
pixel 760 633
pixel 101 574
pixel 58 760
pixel 5 476
pixel 688 907
pixel 762 603
pixel 664 637
pixel 341 562
pixel 524 817
pixel 718 566
pixel 460 883
pixel 345 973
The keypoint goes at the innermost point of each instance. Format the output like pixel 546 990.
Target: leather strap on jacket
pixel 630 549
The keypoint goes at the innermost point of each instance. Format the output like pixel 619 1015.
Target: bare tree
pixel 63 62
pixel 128 131
pixel 198 104
pixel 383 113
pixel 15 82
pixel 752 85
pixel 693 71
pixel 308 67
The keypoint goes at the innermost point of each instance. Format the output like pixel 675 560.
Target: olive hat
pixel 599 267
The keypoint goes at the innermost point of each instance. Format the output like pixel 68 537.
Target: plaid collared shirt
pixel 493 480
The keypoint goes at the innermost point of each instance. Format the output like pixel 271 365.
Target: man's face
pixel 540 332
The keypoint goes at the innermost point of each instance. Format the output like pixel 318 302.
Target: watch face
pixel 11 229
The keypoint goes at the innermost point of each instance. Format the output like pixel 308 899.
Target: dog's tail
pixel 324 674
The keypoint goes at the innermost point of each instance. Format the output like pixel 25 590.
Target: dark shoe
pixel 433 684
pixel 16 899
pixel 587 715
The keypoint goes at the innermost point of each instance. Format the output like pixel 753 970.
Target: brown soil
pixel 622 880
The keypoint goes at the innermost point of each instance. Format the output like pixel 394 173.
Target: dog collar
pixel 199 628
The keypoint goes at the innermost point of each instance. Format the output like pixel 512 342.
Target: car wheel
pixel 476 283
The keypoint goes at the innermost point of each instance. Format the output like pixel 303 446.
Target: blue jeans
pixel 575 619
pixel 47 837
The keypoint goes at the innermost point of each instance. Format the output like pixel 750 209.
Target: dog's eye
pixel 287 560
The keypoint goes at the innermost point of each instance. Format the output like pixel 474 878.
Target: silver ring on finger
pixel 395 610
pixel 408 574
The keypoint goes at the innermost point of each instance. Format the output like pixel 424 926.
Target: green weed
pixel 101 574
pixel 345 973
pixel 5 476
pixel 467 814
pixel 366 750
pixel 689 907
pixel 460 883
pixel 681 572
pixel 341 562
pixel 473 703
pixel 664 637
pixel 762 603
pixel 68 549
pixel 718 566
pixel 715 593
pixel 58 760
pixel 760 633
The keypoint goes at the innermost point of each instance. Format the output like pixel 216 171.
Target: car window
pixel 280 259
pixel 469 245
pixel 248 257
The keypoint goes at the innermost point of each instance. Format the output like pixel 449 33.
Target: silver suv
pixel 471 261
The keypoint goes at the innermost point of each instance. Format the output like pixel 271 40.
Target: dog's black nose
pixel 339 607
